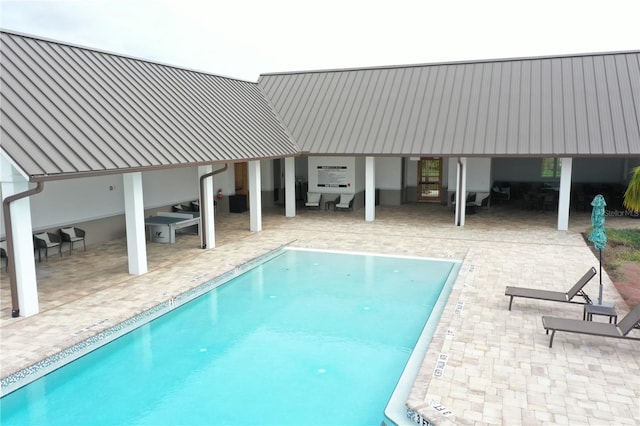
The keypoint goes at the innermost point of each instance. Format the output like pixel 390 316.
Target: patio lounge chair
pixel 554 296
pixel 345 202
pixel 619 331
pixel 313 199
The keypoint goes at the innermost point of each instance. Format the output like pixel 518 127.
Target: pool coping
pixel 398 411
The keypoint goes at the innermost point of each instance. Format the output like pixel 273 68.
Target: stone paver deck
pixel 499 368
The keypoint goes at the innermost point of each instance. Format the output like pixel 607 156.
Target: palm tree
pixel 632 194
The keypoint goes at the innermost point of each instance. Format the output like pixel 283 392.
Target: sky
pixel 244 38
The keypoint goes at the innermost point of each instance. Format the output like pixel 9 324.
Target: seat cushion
pixel 44 237
pixel 313 197
pixel 71 232
pixel 345 199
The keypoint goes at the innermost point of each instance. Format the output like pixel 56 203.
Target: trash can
pixel 237 203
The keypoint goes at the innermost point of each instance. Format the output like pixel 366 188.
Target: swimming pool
pixel 305 338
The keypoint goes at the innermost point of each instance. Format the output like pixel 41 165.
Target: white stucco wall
pixel 352 174
pixel 388 172
pixel 266 175
pixel 360 174
pixel 411 172
pixel 478 174
pixel 163 187
pixel 77 200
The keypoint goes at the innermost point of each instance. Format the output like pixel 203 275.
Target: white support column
pixel 461 191
pixel 134 217
pixel 207 206
pixel 370 189
pixel 565 194
pixel 255 196
pixel 290 186
pixel 26 282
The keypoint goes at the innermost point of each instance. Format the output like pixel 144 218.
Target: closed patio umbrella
pixel 598 235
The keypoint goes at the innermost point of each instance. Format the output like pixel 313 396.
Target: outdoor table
pixel 607 311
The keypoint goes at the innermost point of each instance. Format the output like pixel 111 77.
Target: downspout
pixel 203 221
pixel 13 285
pixel 460 198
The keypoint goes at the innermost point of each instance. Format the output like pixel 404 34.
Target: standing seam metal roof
pixel 68 110
pixel 577 105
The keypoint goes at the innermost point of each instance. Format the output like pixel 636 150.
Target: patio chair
pixel 3 254
pixel 468 197
pixel 499 194
pixel 181 208
pixel 483 199
pixel 47 240
pixel 345 202
pixel 313 199
pixel 554 296
pixel 618 331
pixel 475 200
pixel 73 235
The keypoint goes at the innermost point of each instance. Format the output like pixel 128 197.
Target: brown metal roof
pixel 69 111
pixel 578 105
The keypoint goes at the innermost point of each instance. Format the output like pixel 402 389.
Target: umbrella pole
pixel 600 295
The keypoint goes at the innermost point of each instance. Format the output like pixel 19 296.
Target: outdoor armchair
pixel 501 193
pixel 47 240
pixel 482 199
pixel 3 254
pixel 313 199
pixel 73 235
pixel 345 202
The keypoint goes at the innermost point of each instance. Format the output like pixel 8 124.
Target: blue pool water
pixel 305 338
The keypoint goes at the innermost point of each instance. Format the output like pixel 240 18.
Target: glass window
pixel 551 168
